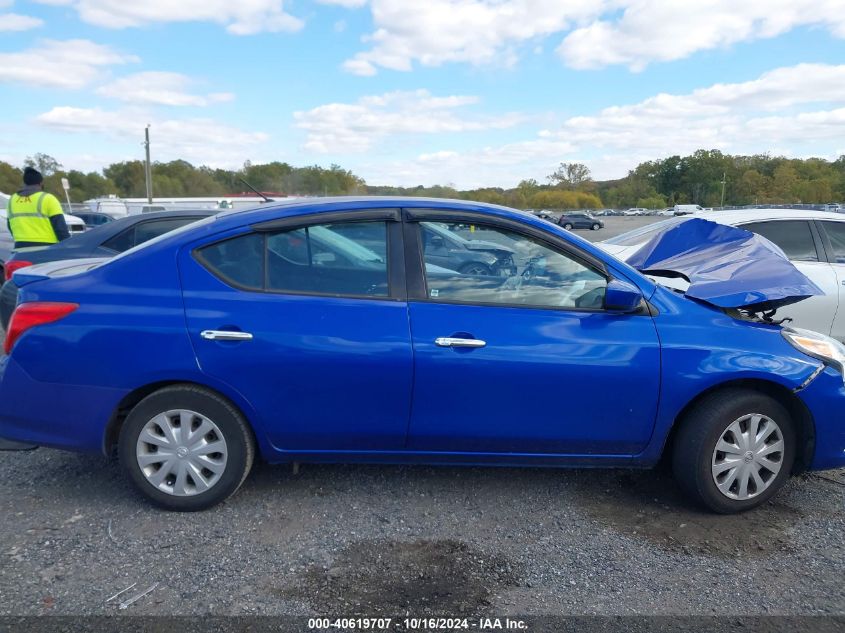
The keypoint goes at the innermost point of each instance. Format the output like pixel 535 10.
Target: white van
pixel 113 206
pixel 687 209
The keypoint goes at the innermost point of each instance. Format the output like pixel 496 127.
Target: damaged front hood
pixel 725 266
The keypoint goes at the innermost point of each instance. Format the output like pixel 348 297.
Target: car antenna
pixel 266 199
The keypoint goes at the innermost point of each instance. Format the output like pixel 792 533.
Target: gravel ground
pixel 386 540
pixel 340 540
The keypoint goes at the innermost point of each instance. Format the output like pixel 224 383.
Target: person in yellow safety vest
pixel 34 216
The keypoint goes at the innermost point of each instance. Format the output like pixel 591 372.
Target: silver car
pixel 813 240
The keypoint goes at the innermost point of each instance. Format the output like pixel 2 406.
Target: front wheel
pixel 734 450
pixel 186 448
pixel 568 226
pixel 478 269
pixel 596 226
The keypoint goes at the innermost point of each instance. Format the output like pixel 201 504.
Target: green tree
pixel 129 177
pixel 571 176
pixel 11 178
pixel 44 163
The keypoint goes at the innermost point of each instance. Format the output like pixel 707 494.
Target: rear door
pixel 310 326
pixel 802 244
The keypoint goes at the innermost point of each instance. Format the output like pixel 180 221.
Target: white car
pixel 814 241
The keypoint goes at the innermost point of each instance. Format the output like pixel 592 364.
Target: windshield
pixel 644 233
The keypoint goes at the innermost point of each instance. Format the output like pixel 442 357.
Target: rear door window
pixel 793 236
pixel 308 260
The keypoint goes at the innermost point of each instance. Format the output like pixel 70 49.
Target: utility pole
pixel 724 181
pixel 148 170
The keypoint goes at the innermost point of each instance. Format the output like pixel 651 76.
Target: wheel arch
pixel 800 414
pixel 129 401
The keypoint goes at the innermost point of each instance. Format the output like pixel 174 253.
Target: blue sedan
pixel 279 332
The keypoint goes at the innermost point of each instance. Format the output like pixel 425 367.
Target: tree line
pixel 700 178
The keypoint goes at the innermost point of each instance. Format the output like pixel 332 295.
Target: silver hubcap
pixel 748 456
pixel 181 452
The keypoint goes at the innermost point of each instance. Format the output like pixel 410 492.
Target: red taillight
pixel 15 265
pixel 28 315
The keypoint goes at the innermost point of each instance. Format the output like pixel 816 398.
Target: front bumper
pixel 825 399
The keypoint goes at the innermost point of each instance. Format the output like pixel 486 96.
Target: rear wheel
pixel 186 448
pixel 734 451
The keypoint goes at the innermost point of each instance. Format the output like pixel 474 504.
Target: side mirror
pixel 437 242
pixel 621 296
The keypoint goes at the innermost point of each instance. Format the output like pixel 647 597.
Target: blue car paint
pixel 543 375
pixel 136 327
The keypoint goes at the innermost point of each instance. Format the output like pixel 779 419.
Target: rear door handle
pixel 448 341
pixel 225 335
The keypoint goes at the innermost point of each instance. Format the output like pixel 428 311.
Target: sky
pixel 468 93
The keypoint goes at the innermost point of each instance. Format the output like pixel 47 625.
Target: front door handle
pixel 225 335
pixel 448 341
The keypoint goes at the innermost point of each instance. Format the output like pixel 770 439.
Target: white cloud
pixel 798 110
pixel 356 127
pixel 159 88
pixel 245 17
pixel 596 33
pixel 349 4
pixel 60 64
pixel 656 30
pixel 200 140
pixel 474 31
pixel 722 115
pixel 18 22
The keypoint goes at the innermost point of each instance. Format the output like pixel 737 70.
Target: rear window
pixel 182 229
pixel 146 231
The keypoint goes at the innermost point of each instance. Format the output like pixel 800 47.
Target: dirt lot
pixel 341 540
pixel 361 539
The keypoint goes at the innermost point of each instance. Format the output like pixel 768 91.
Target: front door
pixel 310 327
pixel 531 363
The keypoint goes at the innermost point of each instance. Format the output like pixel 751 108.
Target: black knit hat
pixel 32 176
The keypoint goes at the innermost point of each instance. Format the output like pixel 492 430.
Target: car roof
pixel 733 216
pixel 299 206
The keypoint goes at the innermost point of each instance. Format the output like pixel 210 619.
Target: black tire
pixel 240 445
pixel 700 430
pixel 476 268
pixel 567 226
pixel 596 226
